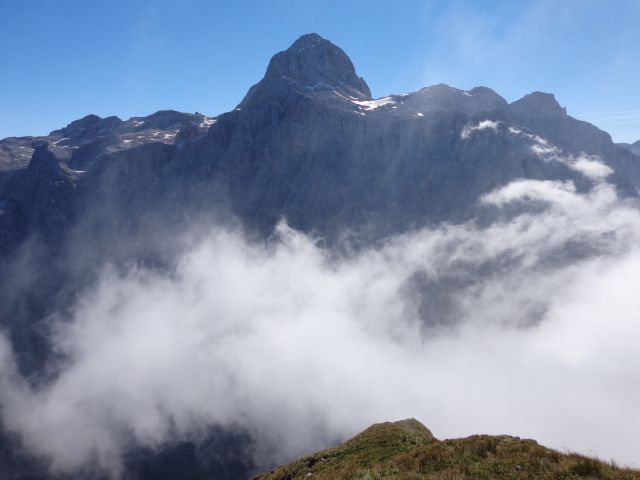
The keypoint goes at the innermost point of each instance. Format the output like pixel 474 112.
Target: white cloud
pixel 591 168
pixel 588 165
pixel 468 130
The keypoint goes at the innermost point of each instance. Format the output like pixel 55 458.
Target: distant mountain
pixel 632 147
pixel 408 450
pixel 307 143
pixel 92 136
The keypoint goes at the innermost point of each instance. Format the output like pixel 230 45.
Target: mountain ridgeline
pixel 632 147
pixel 309 144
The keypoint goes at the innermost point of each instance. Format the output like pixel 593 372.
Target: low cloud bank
pixel 527 327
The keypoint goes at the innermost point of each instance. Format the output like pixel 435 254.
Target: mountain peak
pixel 88 125
pixel 307 40
pixel 313 63
pixel 540 102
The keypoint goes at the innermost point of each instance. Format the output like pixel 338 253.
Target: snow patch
pixel 373 104
pixel 207 122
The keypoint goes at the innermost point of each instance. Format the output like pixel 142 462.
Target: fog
pixel 529 327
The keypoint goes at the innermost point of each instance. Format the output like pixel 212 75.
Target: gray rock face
pixel 307 143
pixel 15 154
pixel 315 62
pixel 310 64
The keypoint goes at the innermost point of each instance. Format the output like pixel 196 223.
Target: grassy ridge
pixel 408 450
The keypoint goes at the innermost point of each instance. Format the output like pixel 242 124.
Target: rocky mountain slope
pixel 93 136
pixel 407 450
pixel 632 147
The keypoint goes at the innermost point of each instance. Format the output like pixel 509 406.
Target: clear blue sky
pixel 63 59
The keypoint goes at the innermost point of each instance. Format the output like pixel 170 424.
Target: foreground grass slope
pixel 408 450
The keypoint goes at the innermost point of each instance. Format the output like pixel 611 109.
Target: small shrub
pixel 405 462
pixel 485 446
pixel 587 467
pixel 433 458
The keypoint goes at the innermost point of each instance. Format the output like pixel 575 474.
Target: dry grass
pixel 406 450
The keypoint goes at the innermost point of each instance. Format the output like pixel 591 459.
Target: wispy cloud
pixel 517 48
pixel 615 118
pixel 592 114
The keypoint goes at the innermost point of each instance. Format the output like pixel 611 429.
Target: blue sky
pixel 63 59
